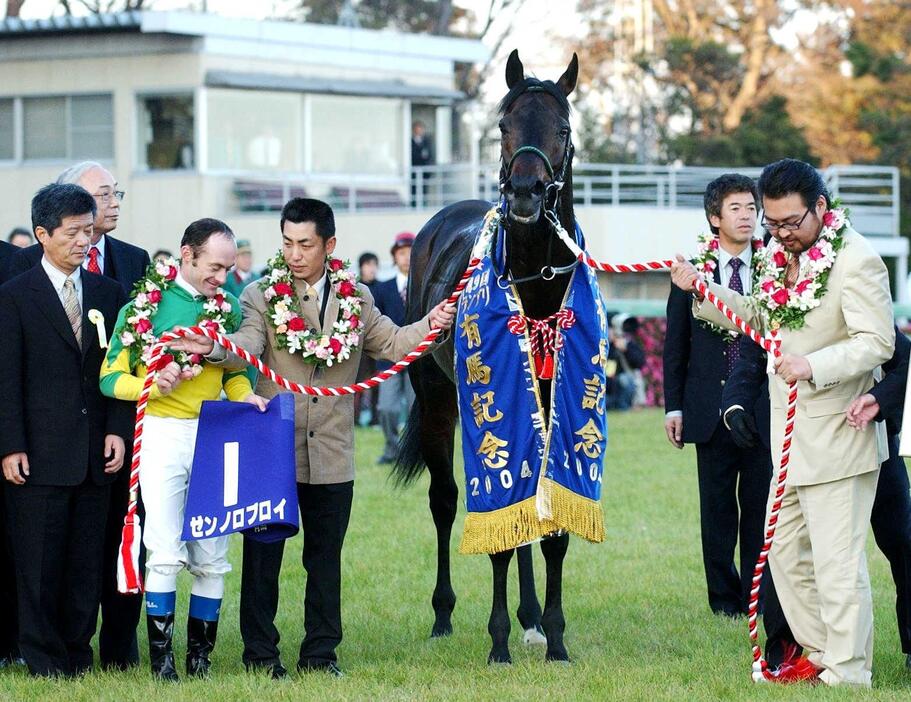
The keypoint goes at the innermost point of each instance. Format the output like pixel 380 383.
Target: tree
pixel 697 70
pixel 98 7
pixel 13 7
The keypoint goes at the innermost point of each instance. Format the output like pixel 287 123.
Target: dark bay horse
pixel 535 182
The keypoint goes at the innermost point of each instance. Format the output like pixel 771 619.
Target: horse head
pixel 535 139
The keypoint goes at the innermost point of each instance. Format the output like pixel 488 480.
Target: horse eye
pixel 502 126
pixel 564 132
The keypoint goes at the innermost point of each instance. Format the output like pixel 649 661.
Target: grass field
pixel 638 625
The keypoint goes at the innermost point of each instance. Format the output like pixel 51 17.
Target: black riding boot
pixel 161 654
pixel 200 642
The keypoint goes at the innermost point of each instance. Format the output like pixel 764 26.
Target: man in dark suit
pixel 396 394
pixel 745 404
pixel 697 360
pixel 9 621
pixel 126 264
pixel 61 440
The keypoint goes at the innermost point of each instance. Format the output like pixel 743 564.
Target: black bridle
pixel 554 189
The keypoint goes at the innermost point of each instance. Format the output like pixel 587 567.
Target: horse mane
pixel 533 84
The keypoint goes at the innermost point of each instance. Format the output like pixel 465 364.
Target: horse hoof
pixel 499 659
pixel 535 637
pixel 557 657
pixel 441 630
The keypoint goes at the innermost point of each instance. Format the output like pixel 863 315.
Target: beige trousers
pixel 819 563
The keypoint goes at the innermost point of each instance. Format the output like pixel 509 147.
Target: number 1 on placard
pixel 232 468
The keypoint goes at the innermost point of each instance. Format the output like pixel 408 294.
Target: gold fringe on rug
pixel 509 527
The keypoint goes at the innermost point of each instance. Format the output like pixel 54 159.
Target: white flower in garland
pixel 706 261
pixel 147 295
pixel 291 331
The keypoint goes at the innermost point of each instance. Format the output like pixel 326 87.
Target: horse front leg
pixel 553 622
pixel 498 625
pixel 529 612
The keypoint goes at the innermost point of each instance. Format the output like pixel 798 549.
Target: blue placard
pixel 243 476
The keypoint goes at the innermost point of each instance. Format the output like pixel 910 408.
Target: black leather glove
pixel 743 428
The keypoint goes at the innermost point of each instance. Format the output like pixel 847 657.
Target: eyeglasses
pixel 790 226
pixel 106 197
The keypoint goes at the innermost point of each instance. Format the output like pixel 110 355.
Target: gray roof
pixel 118 22
pixel 313 84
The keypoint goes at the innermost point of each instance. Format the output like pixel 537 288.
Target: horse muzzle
pixel 525 204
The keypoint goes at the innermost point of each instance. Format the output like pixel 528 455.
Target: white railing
pixel 872 192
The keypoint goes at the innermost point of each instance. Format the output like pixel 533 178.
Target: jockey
pixel 169 298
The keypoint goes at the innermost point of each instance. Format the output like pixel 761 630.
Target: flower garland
pixel 291 332
pixel 147 294
pixel 706 261
pixel 787 307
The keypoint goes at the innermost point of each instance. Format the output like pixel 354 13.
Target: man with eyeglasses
pixel 125 263
pixel 832 348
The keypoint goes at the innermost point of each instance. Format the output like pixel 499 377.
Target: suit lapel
pixel 308 305
pixel 51 307
pixel 716 274
pixel 331 313
pixel 112 264
pixel 91 299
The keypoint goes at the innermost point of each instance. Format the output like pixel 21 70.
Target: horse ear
pixel 515 71
pixel 567 81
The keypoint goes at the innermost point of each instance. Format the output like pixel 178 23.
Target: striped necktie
pixel 72 309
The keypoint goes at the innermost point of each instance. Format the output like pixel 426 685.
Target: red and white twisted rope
pixel 129 579
pixel 544 338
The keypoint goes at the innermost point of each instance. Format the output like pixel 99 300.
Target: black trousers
pixel 120 614
pixel 9 613
pixel 891 522
pixel 325 510
pixel 733 488
pixel 58 544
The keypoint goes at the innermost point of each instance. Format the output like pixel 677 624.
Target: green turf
pixel 638 626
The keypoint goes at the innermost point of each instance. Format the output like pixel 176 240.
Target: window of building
pixel 166 132
pixel 7 130
pixel 68 127
pixel 356 135
pixel 254 130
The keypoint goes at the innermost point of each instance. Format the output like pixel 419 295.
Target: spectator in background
pixel 624 361
pixel 396 394
pixel 367 264
pixel 20 237
pixel 365 403
pixel 421 155
pixel 162 255
pixel 242 274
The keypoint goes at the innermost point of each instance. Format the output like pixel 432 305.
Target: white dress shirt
pixel 102 248
pixel 724 268
pixel 59 278
pixel 319 287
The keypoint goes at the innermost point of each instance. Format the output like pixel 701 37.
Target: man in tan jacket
pixel 324 436
pixel 818 553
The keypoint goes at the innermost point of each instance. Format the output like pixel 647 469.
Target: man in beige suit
pixel 818 553
pixel 324 438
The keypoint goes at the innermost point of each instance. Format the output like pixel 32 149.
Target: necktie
pixel 72 309
pixel 790 276
pixel 732 351
pixel 403 293
pixel 93 260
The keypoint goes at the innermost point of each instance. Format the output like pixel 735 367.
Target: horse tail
pixel 409 461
